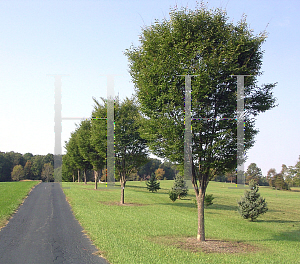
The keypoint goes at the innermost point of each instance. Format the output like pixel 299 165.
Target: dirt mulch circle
pixel 209 246
pixel 118 203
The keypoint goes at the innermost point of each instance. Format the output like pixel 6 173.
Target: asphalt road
pixel 44 230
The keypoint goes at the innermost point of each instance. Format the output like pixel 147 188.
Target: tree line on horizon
pixel 15 166
pixel 286 178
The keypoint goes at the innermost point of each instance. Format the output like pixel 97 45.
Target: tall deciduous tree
pixel 130 148
pixel 159 173
pixel 74 156
pixel 37 166
pixel 27 170
pixel 203 43
pixel 17 173
pixel 47 173
pixel 253 173
pixel 86 149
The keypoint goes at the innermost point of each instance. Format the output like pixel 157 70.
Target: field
pixel 152 229
pixel 12 195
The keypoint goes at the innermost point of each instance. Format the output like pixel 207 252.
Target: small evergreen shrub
pixel 152 184
pixel 180 187
pixel 207 200
pixel 251 204
pixel 173 196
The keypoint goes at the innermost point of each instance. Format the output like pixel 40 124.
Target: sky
pixel 86 40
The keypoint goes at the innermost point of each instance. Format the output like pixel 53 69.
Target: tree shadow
pixel 276 221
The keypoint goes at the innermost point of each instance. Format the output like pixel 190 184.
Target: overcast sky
pixel 86 40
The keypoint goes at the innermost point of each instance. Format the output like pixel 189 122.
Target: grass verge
pixel 152 229
pixel 12 195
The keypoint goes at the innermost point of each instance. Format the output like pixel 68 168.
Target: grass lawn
pixel 153 229
pixel 12 195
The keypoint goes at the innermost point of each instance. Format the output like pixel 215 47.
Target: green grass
pixel 133 234
pixel 12 195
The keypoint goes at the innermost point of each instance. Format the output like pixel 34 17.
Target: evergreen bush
pixel 152 184
pixel 173 196
pixel 180 187
pixel 251 204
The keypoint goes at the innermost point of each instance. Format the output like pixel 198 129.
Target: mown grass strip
pixel 12 195
pixel 141 232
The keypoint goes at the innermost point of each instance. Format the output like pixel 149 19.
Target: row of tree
pixel 286 178
pixel 17 166
pixel 87 146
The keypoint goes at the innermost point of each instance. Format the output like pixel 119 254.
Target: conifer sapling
pixel 251 204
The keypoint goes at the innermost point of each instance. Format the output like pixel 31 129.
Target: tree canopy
pixel 198 42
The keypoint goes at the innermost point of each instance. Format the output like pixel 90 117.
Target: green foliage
pixel 253 173
pixel 276 180
pixel 198 42
pixel 17 173
pixel 47 173
pixel 152 184
pixel 252 205
pixel 57 174
pixel 148 168
pixel 180 187
pixel 208 199
pixel 173 195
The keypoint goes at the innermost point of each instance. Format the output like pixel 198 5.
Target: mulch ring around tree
pixel 209 246
pixel 118 203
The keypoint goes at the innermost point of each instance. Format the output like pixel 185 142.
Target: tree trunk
pixel 123 182
pixel 78 175
pixel 84 172
pixel 73 177
pixel 200 207
pixel 95 174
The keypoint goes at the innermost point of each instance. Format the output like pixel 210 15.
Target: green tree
pixel 231 176
pixel 198 42
pixel 91 158
pixel 294 174
pixel 28 156
pixel 74 159
pixel 169 169
pixel 159 173
pixel 49 158
pixel 253 173
pixel 180 187
pixel 271 177
pixel 279 182
pixel 148 168
pixel 17 173
pixel 57 173
pixel 130 148
pixel 252 205
pixel 5 167
pixel 27 170
pixel 37 166
pixel 68 168
pixel 152 184
pixel 47 173
pixel 99 138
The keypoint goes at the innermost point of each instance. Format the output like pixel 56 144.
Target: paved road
pixel 44 230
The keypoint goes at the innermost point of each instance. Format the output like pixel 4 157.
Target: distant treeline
pixel 162 171
pixel 17 166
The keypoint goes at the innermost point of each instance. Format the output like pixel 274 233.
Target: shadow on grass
pixel 276 221
pixel 293 235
